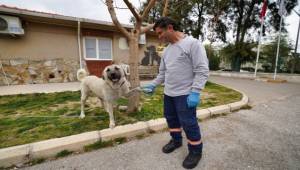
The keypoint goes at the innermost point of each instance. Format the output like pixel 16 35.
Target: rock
pixel 5 63
pixel 71 77
pixel 123 108
pixel 49 63
pixel 32 71
pixel 18 62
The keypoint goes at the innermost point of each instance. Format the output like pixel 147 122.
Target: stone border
pixel 20 71
pixel 24 153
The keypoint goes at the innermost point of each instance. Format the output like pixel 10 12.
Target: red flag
pixel 263 10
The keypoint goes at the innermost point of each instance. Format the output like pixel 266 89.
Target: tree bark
pixel 246 22
pixel 241 31
pixel 235 61
pixel 165 11
pixel 293 65
pixel 199 24
pixel 134 74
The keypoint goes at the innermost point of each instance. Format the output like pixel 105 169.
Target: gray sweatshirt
pixel 183 67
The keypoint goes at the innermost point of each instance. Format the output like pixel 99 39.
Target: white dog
pixel 108 89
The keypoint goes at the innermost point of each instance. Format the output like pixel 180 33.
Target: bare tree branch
pixel 146 28
pixel 114 18
pixel 133 11
pixel 114 6
pixel 148 8
pixel 165 12
pixel 146 11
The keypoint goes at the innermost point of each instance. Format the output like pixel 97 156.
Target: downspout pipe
pixel 79 45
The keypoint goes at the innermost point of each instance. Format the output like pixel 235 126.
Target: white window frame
pixel 97 48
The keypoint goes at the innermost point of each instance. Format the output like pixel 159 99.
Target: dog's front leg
pixel 109 108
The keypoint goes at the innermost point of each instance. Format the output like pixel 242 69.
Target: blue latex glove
pixel 193 99
pixel 149 88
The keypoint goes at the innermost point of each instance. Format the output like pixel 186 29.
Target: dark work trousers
pixel 178 115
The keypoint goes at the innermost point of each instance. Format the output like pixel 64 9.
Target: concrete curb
pixel 21 154
pixel 282 77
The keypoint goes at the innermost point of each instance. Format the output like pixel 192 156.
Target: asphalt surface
pixel 264 137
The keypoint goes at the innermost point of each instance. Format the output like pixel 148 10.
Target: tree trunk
pixel 199 24
pixel 134 100
pixel 293 64
pixel 236 63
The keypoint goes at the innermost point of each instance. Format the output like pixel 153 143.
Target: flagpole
pixel 259 42
pixel 275 72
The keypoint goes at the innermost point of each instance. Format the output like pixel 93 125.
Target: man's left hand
pixel 193 99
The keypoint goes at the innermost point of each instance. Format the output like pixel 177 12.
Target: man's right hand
pixel 149 88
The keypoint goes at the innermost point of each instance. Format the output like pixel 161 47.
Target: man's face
pixel 164 34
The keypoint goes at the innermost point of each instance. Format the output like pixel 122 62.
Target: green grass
pixel 215 94
pixel 35 117
pixel 98 145
pixel 101 144
pixel 63 153
pixel 37 161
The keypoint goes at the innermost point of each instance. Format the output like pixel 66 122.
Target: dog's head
pixel 113 73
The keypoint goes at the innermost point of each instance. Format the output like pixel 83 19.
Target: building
pixel 38 47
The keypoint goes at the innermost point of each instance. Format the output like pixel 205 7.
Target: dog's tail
pixel 81 74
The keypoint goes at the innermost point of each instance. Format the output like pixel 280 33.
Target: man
pixel 184 72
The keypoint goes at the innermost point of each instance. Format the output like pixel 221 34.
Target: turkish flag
pixel 263 10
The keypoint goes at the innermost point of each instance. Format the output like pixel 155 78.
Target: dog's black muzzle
pixel 114 76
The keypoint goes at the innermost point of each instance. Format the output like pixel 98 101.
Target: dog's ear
pixel 122 68
pixel 125 69
pixel 104 74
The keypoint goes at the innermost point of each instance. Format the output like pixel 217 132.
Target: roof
pixel 46 17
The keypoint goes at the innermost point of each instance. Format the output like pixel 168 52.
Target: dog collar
pixel 122 83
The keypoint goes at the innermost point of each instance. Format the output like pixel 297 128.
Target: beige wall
pixel 41 42
pixel 47 42
pixel 49 53
pixel 119 55
pixel 122 55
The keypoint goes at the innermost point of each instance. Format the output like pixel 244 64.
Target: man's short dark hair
pixel 163 22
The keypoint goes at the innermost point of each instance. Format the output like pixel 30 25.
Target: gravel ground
pixel 265 137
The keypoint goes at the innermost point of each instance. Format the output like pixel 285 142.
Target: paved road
pixel 259 91
pixel 265 137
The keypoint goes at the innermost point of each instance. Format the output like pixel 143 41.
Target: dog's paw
pixel 112 125
pixel 82 115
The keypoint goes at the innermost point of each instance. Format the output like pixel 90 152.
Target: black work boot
pixel 191 160
pixel 171 146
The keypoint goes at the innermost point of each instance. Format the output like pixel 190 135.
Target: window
pixel 97 48
pixel 104 46
pixel 90 47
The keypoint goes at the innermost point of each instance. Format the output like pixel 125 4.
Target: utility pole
pixel 297 36
pixel 277 53
pixel 296 45
pixel 262 17
pixel 282 12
